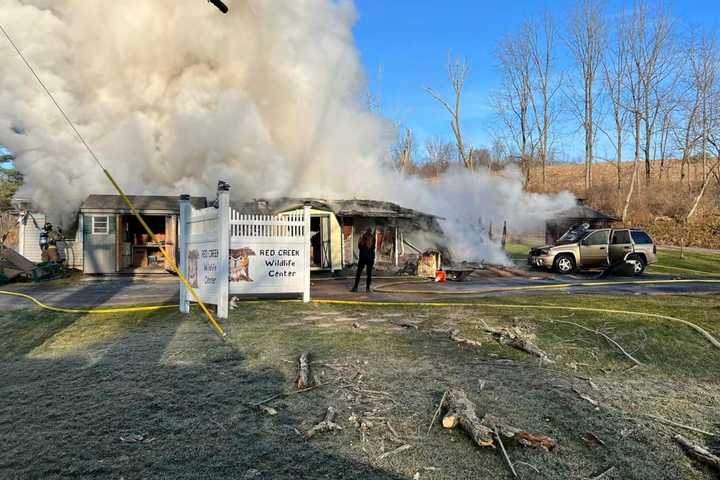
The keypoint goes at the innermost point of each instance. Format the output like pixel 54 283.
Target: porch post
pixel 306 253
pixel 183 232
pixel 397 248
pixel 223 265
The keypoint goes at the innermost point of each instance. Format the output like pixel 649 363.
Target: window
pixel 620 237
pixel 100 225
pixel 598 238
pixel 640 237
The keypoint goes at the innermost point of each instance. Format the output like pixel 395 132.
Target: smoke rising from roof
pixel 174 96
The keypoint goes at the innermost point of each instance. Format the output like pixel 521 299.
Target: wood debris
pixel 401 448
pixel 588 399
pixel 456 336
pixel 304 378
pixel 591 438
pixel 603 473
pixel 268 410
pixel 460 411
pixel 136 438
pixel 699 453
pixel 517 339
pixel 326 425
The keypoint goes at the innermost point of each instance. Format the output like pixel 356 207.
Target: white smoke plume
pixel 174 96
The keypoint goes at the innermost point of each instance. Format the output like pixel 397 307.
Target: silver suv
pixel 581 247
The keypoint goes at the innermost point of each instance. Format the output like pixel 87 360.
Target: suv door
pixel 620 246
pixel 594 249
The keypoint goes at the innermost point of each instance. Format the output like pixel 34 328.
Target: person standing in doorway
pixel 366 247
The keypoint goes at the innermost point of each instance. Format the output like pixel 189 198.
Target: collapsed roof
pixel 341 208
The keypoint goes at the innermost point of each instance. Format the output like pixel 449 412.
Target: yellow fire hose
pixel 143 308
pixel 697 328
pixel 385 288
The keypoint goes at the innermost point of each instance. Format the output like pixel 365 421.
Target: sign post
pixel 306 241
pixel 223 226
pixel 183 231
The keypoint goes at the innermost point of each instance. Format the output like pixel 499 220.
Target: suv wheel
pixel 638 264
pixel 565 263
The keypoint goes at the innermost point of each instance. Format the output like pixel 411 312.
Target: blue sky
pixel 408 42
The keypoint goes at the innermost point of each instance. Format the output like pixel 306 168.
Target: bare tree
pixel 541 40
pixel 655 64
pixel 587 41
pixel 440 154
pixel 458 71
pixel 650 70
pixel 706 180
pixel 615 67
pixel 689 110
pixel 705 80
pixel 404 150
pixel 513 100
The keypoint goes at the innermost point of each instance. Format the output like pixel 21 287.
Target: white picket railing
pixel 223 251
pixel 266 226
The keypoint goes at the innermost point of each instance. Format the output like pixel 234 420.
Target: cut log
pixel 463 415
pixel 450 420
pixel 327 424
pixel 460 411
pixel 697 452
pixel 304 378
pixel 512 434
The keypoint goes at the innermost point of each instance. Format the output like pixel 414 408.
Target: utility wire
pixel 136 213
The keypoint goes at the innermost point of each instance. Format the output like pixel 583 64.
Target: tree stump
pixel 304 378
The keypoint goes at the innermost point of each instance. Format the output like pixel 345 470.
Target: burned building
pixel 577 215
pixel 336 226
pixel 107 238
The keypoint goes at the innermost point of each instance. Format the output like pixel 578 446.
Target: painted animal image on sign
pixel 240 264
pixel 192 267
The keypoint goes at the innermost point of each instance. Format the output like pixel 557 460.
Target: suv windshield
pixel 575 234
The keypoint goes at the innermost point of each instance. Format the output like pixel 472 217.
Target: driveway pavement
pixel 127 292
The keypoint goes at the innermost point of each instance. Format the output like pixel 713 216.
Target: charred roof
pixel 159 203
pixel 341 208
pixel 583 212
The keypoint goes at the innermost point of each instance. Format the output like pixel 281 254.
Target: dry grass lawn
pixel 73 386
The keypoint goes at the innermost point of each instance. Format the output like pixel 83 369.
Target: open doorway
pixel 320 242
pixel 137 252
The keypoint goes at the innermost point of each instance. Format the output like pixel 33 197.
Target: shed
pixel 576 215
pixel 114 241
pixel 336 226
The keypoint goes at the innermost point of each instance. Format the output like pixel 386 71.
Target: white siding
pixel 31 236
pixel 29 242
